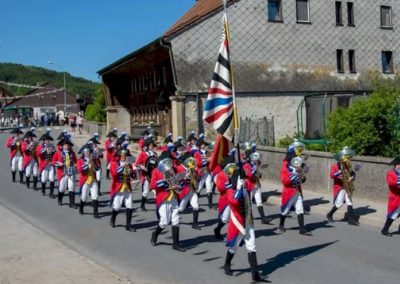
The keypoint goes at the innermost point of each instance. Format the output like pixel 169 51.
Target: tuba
pixel 255 157
pixel 300 170
pixel 344 158
pixel 166 166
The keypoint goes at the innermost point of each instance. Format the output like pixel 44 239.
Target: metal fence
pixel 260 131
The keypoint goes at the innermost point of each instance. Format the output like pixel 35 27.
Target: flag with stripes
pixel 218 110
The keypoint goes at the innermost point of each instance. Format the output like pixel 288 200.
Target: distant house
pixel 47 99
pixel 4 97
pixel 294 61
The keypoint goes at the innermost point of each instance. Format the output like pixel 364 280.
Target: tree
pixel 97 110
pixel 368 125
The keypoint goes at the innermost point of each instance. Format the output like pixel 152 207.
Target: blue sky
pixel 82 36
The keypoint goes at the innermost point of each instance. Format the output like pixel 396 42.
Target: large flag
pixel 218 110
pixel 221 149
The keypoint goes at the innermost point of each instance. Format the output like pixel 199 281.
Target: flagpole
pixel 235 113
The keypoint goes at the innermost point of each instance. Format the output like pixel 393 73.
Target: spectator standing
pixel 72 122
pixel 79 122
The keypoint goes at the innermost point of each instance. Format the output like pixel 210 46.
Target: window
pixel 386 17
pixel 275 10
pixel 352 61
pixel 350 14
pixel 339 60
pixel 338 8
pixel 387 62
pixel 303 11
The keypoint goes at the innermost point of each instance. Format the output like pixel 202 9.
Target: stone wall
pixel 370 181
pixel 119 118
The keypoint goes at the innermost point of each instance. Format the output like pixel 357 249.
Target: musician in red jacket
pixel 97 155
pixel 30 162
pixel 185 166
pixel 241 224
pixel 87 168
pixel 393 205
pixel 109 146
pixel 339 193
pixel 14 143
pixel 251 169
pixel 163 181
pixel 45 153
pixel 292 195
pixel 121 188
pixel 200 153
pixel 146 162
pixel 64 162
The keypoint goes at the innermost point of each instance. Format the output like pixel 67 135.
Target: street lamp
pixel 65 85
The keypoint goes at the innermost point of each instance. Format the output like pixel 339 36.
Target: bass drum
pixel 150 165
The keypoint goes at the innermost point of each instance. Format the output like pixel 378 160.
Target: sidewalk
pixel 30 256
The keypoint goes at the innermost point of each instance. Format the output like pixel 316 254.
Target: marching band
pixel 177 176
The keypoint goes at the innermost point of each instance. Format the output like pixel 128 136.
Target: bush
pixel 285 142
pixel 367 125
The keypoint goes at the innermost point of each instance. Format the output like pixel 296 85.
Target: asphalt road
pixel 336 253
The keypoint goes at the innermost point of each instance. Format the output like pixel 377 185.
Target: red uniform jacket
pixel 141 143
pixel 59 160
pixel 159 184
pixel 10 143
pixel 141 161
pixel 29 154
pixel 337 180
pixel 236 202
pixel 250 171
pixel 184 182
pixel 392 178
pixel 201 162
pixel 43 157
pixel 288 190
pixel 116 171
pixel 109 150
pixel 82 166
pixel 221 183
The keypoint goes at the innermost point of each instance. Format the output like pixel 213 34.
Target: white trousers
pixel 341 197
pixel 67 183
pixel 297 201
pixel 16 163
pixel 249 239
pixel 225 214
pixel 98 175
pixel 191 197
pixel 32 168
pixel 206 179
pixel 48 173
pixel 145 188
pixel 93 188
pixel 169 213
pixel 256 193
pixel 125 197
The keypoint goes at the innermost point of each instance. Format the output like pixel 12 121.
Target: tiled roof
pixel 200 10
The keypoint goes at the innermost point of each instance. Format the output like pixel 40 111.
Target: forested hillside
pixel 31 75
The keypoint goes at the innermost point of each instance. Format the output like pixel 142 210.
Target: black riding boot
pixel 195 224
pixel 28 182
pixel 21 177
pixel 385 230
pixel 128 225
pixel 154 235
pixel 113 217
pixel 255 274
pixel 99 184
pixel 302 229
pixel 96 209
pixel 60 197
pixel 175 239
pixel 81 205
pixel 282 224
pixel 330 214
pixel 350 216
pixel 217 230
pixel 13 176
pixel 108 174
pixel 71 196
pixel 51 195
pixel 210 201
pixel 43 188
pixel 264 220
pixel 227 265
pixel 143 204
pixel 35 180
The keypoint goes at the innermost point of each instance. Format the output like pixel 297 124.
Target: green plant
pixel 97 110
pixel 285 142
